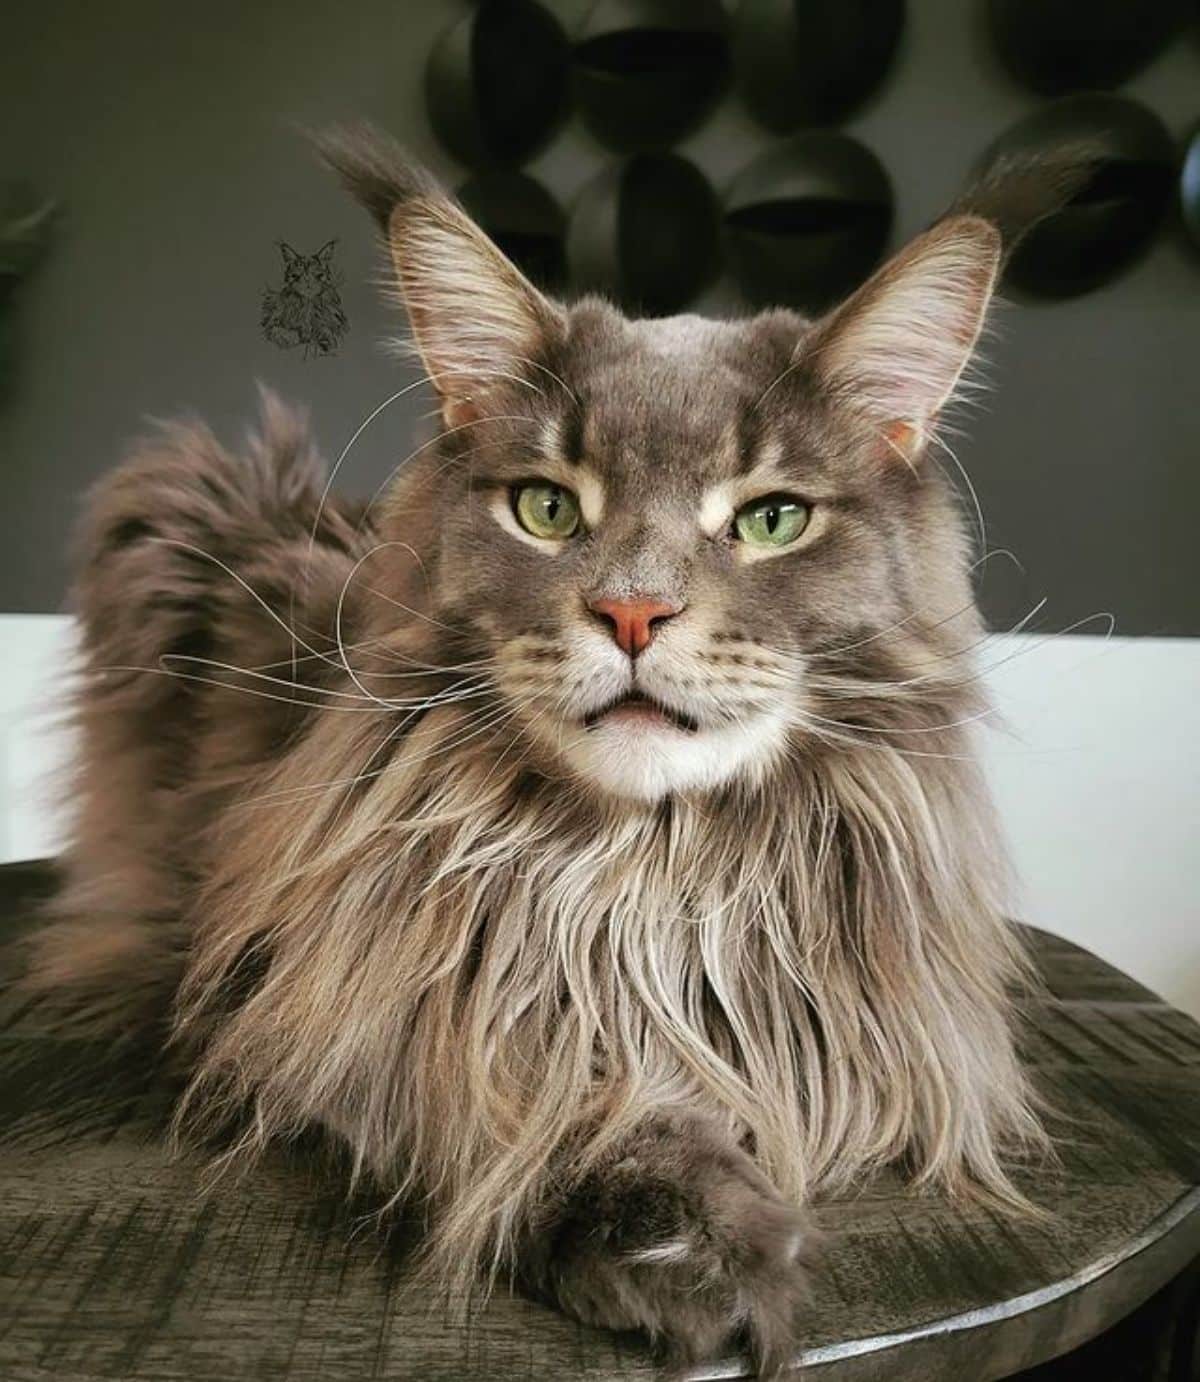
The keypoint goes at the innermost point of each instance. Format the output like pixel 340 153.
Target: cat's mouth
pixel 635 707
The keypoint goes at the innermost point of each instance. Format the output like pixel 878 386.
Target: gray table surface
pixel 117 1261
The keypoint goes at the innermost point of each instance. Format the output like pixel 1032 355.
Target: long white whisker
pixel 240 690
pixel 249 589
pixel 938 440
pixel 255 675
pixel 408 609
pixel 913 614
pixel 425 446
pixel 558 379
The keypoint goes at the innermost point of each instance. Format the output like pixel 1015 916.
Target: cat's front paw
pixel 682 1237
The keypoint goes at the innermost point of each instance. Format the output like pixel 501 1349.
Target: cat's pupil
pixel 772 517
pixel 552 505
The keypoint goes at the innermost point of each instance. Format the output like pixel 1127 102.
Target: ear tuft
pixel 896 349
pixel 374 169
pixel 1018 191
pixel 476 319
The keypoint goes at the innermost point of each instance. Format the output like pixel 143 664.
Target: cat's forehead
pixel 676 398
pixel 681 353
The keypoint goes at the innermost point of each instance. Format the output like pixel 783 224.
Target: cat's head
pixel 657 538
pixel 307 274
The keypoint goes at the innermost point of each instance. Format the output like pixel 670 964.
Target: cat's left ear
pixel 897 348
pixel 477 320
pixel 325 253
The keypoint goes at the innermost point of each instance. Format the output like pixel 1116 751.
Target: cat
pixel 306 309
pixel 587 835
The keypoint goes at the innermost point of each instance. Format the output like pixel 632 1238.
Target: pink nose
pixel 633 620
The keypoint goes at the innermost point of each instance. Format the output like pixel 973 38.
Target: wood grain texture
pixel 118 1262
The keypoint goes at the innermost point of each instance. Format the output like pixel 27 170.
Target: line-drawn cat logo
pixel 306 309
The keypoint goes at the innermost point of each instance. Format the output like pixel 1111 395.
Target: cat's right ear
pixel 896 348
pixel 476 318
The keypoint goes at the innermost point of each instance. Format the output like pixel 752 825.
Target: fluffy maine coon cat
pixel 587 833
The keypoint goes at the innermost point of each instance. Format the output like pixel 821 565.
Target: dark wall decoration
pixel 524 219
pixel 25 223
pixel 24 234
pixel 496 82
pixel 703 156
pixel 1055 46
pixel 812 61
pixel 647 71
pixel 647 233
pixel 1112 220
pixel 806 218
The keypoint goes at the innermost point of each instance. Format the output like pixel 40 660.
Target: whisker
pixel 339 613
pixel 425 378
pixel 425 669
pixel 358 431
pixel 416 613
pixel 450 696
pixel 850 687
pixel 239 690
pixel 425 446
pixel 938 440
pixel 489 716
pixel 256 675
pixel 249 589
pixel 913 614
pixel 558 379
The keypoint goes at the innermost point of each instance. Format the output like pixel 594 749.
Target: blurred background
pixel 166 138
pixel 169 239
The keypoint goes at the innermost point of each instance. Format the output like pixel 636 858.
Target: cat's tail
pixel 190 561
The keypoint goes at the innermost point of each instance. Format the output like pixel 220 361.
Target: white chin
pixel 643 761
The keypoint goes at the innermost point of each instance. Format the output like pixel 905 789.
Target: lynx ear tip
pixel 377 171
pixel 968 227
pixel 960 245
pixel 989 242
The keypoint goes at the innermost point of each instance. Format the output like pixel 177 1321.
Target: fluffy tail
pixel 191 561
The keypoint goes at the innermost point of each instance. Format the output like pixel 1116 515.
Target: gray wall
pixel 165 131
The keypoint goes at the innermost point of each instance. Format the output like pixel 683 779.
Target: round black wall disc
pixel 496 82
pixel 1056 46
pixel 646 233
pixel 807 221
pixel 809 62
pixel 648 71
pixel 1111 221
pixel 525 221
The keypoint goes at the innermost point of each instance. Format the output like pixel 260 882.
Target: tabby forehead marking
pixel 760 470
pixel 560 461
pixel 590 489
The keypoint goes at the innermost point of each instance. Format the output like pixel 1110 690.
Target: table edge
pixel 1186 1207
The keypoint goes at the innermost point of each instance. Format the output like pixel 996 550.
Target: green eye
pixel 546 510
pixel 773 521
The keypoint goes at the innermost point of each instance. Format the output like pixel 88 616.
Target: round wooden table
pixel 114 1264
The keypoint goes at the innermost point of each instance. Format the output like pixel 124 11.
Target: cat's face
pixel 645 533
pixel 307 274
pixel 649 556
